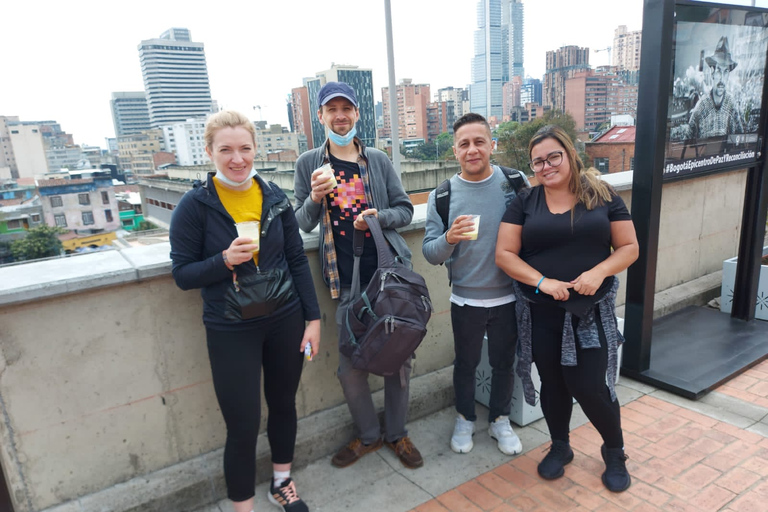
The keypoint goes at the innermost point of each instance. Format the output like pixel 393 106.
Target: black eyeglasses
pixel 554 159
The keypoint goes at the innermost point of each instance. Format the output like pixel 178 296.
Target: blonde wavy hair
pixel 585 184
pixel 226 119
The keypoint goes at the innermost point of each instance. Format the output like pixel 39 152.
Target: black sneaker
pixel 553 465
pixel 616 477
pixel 286 497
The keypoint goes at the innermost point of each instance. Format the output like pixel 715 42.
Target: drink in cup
pixel 250 230
pixel 473 234
pixel 329 174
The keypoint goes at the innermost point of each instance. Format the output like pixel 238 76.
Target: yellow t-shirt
pixel 242 205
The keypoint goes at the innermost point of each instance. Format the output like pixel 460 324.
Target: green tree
pixel 513 140
pixel 145 225
pixel 439 149
pixel 40 242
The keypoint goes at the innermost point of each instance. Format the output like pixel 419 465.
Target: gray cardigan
pixel 389 198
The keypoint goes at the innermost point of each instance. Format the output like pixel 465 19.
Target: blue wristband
pixel 539 283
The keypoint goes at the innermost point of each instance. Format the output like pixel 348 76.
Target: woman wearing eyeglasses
pixel 563 242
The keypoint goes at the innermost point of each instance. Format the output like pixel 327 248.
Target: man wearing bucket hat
pixel 716 114
pixel 335 186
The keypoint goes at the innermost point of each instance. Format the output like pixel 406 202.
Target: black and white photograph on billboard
pixel 717 89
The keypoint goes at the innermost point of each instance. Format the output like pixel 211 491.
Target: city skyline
pixel 258 66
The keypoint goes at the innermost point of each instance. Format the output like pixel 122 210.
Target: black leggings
pixel 584 382
pixel 237 358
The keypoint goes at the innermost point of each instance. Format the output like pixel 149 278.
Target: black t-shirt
pixel 561 250
pixel 344 204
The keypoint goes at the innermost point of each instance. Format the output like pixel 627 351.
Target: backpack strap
pixel 443 201
pixel 358 242
pixel 386 259
pixel 514 177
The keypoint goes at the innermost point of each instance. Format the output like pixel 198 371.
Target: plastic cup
pixel 329 174
pixel 250 230
pixel 473 234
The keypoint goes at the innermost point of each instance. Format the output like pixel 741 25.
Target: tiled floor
pixel 680 460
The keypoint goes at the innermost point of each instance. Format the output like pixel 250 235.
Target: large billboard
pixel 716 96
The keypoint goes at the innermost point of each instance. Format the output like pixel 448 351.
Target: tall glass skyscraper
pixel 498 54
pixel 485 94
pixel 514 17
pixel 175 77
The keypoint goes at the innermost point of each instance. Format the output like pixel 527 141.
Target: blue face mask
pixel 220 176
pixel 342 140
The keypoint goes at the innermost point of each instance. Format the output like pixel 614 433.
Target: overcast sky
pixel 62 60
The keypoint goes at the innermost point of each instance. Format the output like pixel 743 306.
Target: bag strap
pixel 382 247
pixel 514 177
pixel 443 201
pixel 358 242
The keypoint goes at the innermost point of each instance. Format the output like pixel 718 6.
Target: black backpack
pixel 443 192
pixel 387 322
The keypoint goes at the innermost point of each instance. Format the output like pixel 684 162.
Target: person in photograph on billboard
pixel 716 114
pixel 716 97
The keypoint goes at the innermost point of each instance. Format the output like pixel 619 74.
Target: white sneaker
pixel 501 431
pixel 461 441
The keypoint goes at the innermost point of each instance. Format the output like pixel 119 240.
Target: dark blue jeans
pixel 470 325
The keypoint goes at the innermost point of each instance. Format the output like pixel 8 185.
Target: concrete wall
pixel 104 372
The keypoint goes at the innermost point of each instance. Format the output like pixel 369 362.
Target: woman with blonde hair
pixel 259 305
pixel 563 242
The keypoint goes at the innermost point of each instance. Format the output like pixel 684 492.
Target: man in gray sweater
pixel 482 298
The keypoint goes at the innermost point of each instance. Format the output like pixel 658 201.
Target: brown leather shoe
pixel 352 452
pixel 407 453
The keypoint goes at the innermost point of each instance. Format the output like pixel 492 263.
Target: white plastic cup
pixel 329 174
pixel 250 230
pixel 473 234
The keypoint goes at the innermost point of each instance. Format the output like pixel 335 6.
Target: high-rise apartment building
pixel 361 80
pixel 626 49
pixel 28 148
pixel 511 92
pixel 440 119
pixel 485 94
pixel 459 97
pixel 7 158
pixel 136 152
pixel 530 91
pixel 562 64
pixel 301 114
pixel 513 20
pixel 275 143
pixel 412 100
pixel 175 77
pixel 593 96
pixel 187 140
pixel 129 112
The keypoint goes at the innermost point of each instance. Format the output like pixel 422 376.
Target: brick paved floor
pixel 680 460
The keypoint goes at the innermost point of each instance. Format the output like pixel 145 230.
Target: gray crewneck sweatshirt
pixel 471 264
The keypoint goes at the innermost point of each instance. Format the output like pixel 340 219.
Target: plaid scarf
pixel 329 249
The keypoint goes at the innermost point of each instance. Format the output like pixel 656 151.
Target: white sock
pixel 280 476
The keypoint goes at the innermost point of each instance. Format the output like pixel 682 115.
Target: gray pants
pixel 357 392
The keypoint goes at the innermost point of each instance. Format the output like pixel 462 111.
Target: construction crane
pixel 608 49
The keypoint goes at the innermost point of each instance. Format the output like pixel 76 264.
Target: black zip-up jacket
pixel 201 229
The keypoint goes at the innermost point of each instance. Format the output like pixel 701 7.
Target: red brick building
pixel 412 100
pixel 613 151
pixel 302 120
pixel 592 96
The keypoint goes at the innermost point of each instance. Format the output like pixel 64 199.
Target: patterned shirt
pixel 707 120
pixel 347 196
